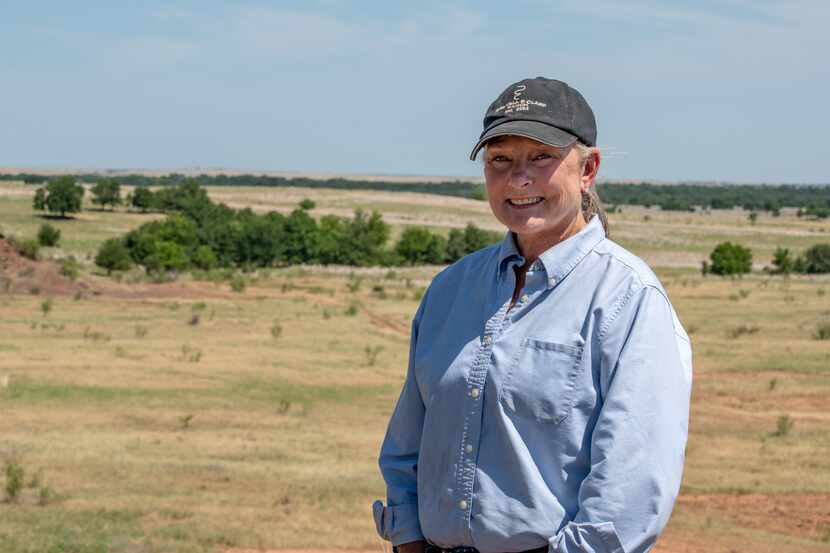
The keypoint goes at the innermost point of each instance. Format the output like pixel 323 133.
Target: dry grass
pixel 279 448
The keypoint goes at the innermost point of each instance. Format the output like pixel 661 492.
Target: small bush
pixel 140 331
pixel 372 354
pixel 28 248
pixel 783 261
pixel 822 332
pixel 352 310
pixel 276 330
pixel 730 259
pixel 742 330
pixel 70 268
pixel 113 255
pixel 816 259
pixel 354 283
pixel 14 480
pixel 238 283
pixel 783 426
pixel 307 204
pixel 204 258
pixel 48 235
pixel 45 496
pixel 46 306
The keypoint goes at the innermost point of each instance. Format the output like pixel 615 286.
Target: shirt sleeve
pixel 638 442
pixel 398 521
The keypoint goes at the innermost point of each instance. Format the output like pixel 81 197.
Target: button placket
pixel 467 462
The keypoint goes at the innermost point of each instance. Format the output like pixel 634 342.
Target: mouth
pixel 525 202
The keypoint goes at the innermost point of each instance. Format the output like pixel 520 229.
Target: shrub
pixel 238 283
pixel 739 331
pixel 113 255
pixel 70 268
pixel 46 306
pixel 204 258
pixel 166 256
pixel 372 354
pixel 420 245
pixel 28 248
pixel 730 259
pixel 14 480
pixel 783 426
pixel 306 204
pixel 143 198
pixel 822 332
pixel 106 192
pixel 816 259
pixel 48 235
pixel 782 261
pixel 472 238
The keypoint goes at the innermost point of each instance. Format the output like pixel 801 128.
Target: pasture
pixel 188 417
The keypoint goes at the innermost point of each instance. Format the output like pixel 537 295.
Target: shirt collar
pixel 559 259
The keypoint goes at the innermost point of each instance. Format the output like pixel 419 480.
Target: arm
pixel 638 442
pixel 398 522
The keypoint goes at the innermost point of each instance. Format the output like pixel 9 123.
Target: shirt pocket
pixel 541 381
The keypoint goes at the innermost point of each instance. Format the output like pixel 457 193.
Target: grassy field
pixel 186 417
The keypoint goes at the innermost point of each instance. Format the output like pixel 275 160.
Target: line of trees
pixel 202 234
pixel 729 258
pixel 812 200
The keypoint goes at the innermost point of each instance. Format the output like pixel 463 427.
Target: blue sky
pixel 733 90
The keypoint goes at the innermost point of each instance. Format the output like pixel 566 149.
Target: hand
pixel 412 547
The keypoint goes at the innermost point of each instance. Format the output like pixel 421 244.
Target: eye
pixel 499 160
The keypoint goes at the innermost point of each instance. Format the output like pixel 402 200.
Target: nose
pixel 519 177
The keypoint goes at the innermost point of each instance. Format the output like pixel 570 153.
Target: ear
pixel 590 169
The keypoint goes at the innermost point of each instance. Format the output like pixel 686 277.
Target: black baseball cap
pixel 543 109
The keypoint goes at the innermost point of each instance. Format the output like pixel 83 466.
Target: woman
pixel 546 401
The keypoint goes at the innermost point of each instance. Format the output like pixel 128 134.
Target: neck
pixel 531 246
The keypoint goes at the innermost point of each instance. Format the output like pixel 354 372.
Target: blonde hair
pixel 591 204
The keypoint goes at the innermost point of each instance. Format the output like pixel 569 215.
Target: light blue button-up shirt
pixel 559 421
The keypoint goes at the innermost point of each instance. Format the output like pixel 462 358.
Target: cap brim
pixel 547 134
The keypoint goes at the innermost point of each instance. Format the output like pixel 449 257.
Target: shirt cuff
pixel 587 538
pixel 397 523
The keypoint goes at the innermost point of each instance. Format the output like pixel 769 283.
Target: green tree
pixel 113 255
pixel 816 259
pixel 39 201
pixel 48 235
pixel 106 192
pixel 302 238
pixel 420 245
pixel 730 259
pixel 64 196
pixel 472 238
pixel 143 198
pixel 782 261
pixel 204 258
pixel 166 256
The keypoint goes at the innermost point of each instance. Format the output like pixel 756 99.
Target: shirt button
pixel 488 340
pixel 469 448
pixel 524 298
pixel 474 392
pixel 462 505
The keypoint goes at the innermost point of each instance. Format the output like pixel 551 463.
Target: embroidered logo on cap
pixel 518 103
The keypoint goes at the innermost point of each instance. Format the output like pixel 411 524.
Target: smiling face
pixel 535 190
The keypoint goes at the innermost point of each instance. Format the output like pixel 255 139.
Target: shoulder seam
pixel 617 309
